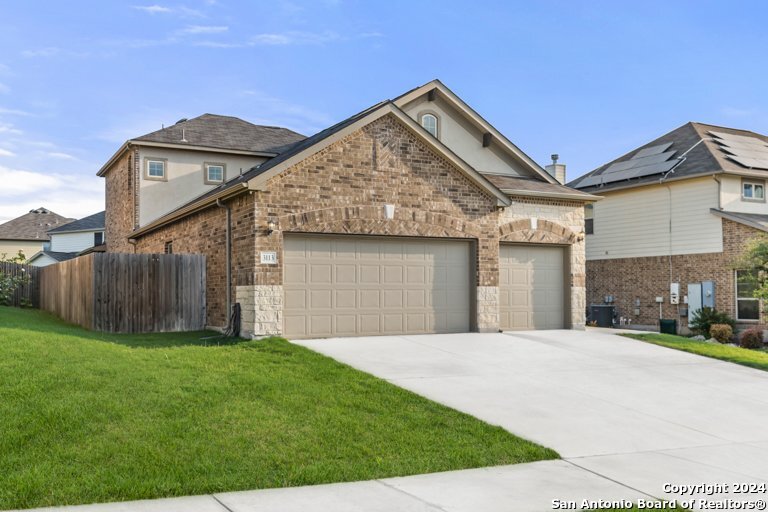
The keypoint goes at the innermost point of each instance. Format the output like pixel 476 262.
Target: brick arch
pixel 371 220
pixel 546 232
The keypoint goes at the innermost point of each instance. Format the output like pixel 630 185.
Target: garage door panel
pixel 532 287
pixel 388 286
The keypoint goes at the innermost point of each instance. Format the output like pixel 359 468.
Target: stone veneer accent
pixel 628 279
pixel 488 308
pixel 262 309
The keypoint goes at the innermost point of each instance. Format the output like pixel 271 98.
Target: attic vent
pixel 39 210
pixel 183 119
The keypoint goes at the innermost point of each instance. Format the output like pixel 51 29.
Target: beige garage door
pixel 532 287
pixel 355 286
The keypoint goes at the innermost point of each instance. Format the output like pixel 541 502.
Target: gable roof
pixel 478 121
pixel 695 154
pixel 293 153
pixel 256 176
pixel 32 226
pixel 216 132
pixel 754 220
pixel 93 222
pixel 57 256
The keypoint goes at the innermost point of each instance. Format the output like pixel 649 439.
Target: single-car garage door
pixel 353 286
pixel 532 287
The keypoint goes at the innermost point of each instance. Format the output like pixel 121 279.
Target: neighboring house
pixel 412 216
pixel 676 213
pixel 69 240
pixel 163 170
pixel 28 233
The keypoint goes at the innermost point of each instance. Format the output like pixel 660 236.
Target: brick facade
pixel 121 196
pixel 343 189
pixel 629 279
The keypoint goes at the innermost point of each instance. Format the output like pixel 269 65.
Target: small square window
pixel 753 191
pixel 214 173
pixel 169 247
pixel 156 169
pixel 98 238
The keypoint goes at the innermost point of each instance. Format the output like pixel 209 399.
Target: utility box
pixel 667 326
pixel 603 315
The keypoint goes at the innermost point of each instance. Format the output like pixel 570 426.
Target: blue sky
pixel 589 80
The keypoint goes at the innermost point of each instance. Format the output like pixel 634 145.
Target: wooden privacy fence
pixel 129 293
pixel 29 293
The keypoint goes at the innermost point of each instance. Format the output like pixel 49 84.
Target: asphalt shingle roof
pixel 706 158
pixel 224 132
pixel 512 183
pixel 93 222
pixel 32 226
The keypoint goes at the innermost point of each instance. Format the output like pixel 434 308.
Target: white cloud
pixel 295 38
pixel 61 156
pixel 14 112
pixel 153 9
pixel 71 195
pixel 203 29
pixel 17 182
pixel 8 128
pixel 50 51
pixel 5 152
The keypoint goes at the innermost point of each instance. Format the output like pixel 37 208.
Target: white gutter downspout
pixel 682 158
pixel 228 258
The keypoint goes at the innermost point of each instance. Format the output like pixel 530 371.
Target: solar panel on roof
pixel 590 181
pixel 653 150
pixel 650 170
pixel 639 162
pixel 752 163
pixel 750 152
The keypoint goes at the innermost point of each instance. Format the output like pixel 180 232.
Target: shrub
pixel 704 318
pixel 721 332
pixel 751 338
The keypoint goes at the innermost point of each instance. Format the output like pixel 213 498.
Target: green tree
pixel 753 261
pixel 11 281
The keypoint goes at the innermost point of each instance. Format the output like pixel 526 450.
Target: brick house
pixel 412 216
pixel 675 215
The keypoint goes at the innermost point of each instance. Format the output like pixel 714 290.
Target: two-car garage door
pixel 357 286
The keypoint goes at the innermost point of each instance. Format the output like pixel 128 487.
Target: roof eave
pixel 95 230
pixel 211 149
pixel 658 182
pixel 584 197
pixel 736 218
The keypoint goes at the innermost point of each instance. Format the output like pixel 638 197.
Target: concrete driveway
pixel 620 410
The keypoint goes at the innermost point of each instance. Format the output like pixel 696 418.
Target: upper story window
pixel 589 219
pixel 430 123
pixel 747 306
pixel 214 173
pixel 753 191
pixel 98 238
pixel 155 168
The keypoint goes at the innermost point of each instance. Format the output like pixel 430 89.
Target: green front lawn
pixel 88 417
pixel 752 358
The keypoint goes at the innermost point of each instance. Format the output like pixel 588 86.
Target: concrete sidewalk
pixel 522 487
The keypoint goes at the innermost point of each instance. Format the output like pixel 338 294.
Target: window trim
pixel 437 122
pixel 589 222
pixel 206 179
pixel 737 299
pixel 168 247
pixel 753 182
pixel 147 160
